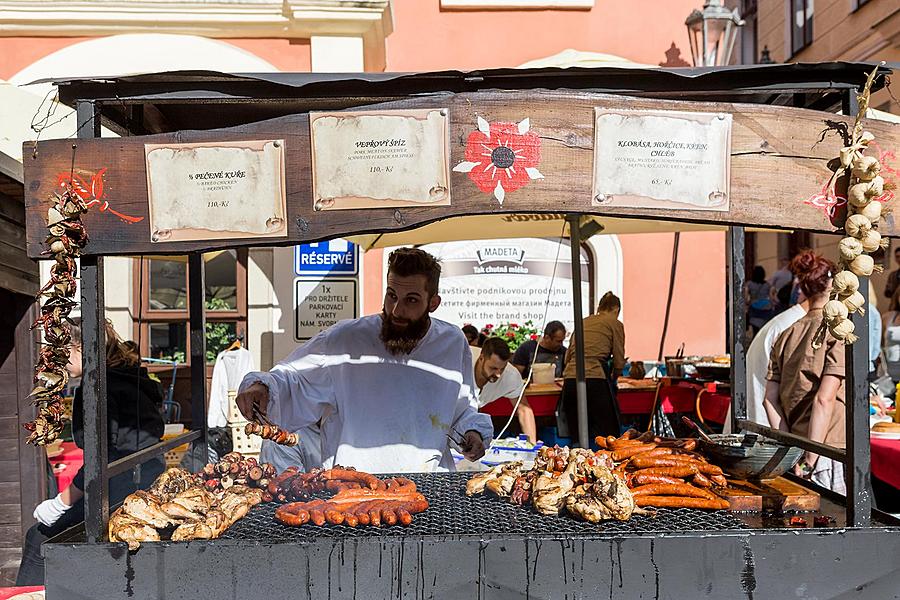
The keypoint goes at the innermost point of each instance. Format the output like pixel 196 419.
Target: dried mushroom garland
pixel 66 239
pixel 866 195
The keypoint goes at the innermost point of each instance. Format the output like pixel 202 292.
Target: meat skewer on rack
pixel 266 429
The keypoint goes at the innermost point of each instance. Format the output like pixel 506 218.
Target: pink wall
pixel 698 300
pixel 427 38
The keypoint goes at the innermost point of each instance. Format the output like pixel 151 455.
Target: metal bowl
pixel 764 459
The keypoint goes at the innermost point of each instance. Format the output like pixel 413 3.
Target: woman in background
pixel 805 388
pixel 134 421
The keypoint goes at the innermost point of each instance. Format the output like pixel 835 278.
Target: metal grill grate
pixel 452 513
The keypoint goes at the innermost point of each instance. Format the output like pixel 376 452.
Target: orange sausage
pixel 676 471
pixel 681 502
pixel 627 452
pixel 647 479
pixel 668 489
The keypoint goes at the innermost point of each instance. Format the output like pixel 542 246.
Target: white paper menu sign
pixel 380 159
pixel 216 190
pixel 661 159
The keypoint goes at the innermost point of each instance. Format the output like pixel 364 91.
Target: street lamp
pixel 712 33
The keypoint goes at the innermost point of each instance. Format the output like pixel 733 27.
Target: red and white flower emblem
pixel 501 157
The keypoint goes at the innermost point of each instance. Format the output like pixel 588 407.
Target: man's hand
pixel 257 394
pixel 472 445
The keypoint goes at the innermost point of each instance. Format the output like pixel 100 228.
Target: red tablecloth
pixel 680 398
pixel 9 592
pixel 886 461
pixel 69 462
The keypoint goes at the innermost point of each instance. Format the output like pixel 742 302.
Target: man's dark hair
pixel 470 332
pixel 496 346
pixel 407 262
pixel 552 327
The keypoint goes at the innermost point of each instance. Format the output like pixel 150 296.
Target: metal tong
pixel 459 441
pixel 260 417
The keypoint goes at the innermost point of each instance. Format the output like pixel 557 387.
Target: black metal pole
pixel 735 240
pixel 856 393
pixel 93 364
pixel 197 305
pixel 580 382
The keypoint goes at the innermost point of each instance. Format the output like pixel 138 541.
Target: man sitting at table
pixel 549 349
pixel 495 378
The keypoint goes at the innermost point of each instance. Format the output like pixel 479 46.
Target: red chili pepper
pixel 798 522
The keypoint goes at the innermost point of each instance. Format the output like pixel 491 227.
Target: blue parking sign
pixel 334 257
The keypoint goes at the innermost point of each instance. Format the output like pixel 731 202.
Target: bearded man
pixel 390 391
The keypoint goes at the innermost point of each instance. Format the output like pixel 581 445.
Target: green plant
pixel 219 335
pixel 514 333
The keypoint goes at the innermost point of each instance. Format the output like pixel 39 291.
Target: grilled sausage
pixel 672 460
pixel 680 502
pixel 638 478
pixel 676 471
pixel 622 453
pixel 668 489
pixel 701 480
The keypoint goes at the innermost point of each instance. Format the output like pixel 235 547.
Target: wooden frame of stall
pixel 776 150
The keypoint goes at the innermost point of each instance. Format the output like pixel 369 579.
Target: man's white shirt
pixel 379 412
pixel 509 384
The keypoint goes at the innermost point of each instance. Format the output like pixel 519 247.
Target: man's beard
pixel 400 339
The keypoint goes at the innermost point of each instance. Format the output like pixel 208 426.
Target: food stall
pixel 771 131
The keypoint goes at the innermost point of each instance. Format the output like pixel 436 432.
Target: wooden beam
pixel 779 159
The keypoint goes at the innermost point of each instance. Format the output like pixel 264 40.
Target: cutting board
pixel 777 495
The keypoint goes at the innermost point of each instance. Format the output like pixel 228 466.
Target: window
pixel 161 300
pixel 801 24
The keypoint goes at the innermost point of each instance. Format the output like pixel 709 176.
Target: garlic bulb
pixel 850 248
pixel 871 211
pixel 857 226
pixel 853 303
pixel 866 168
pixel 863 265
pixel 835 310
pixel 845 283
pixel 843 330
pixel 857 194
pixel 875 187
pixel 873 241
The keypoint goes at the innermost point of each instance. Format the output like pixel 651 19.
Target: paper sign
pixel 661 159
pixel 380 159
pixel 216 190
pixel 322 303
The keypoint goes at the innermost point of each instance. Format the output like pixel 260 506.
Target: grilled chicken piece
pixel 146 507
pixel 173 481
pixel 502 484
pixel 595 502
pixel 123 528
pixel 549 491
pixel 191 504
pixel 476 484
pixel 212 526
pixel 583 502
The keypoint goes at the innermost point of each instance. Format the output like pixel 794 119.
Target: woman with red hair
pixel 805 387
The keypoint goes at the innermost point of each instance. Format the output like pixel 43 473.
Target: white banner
pixel 378 159
pixel 662 159
pixel 216 190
